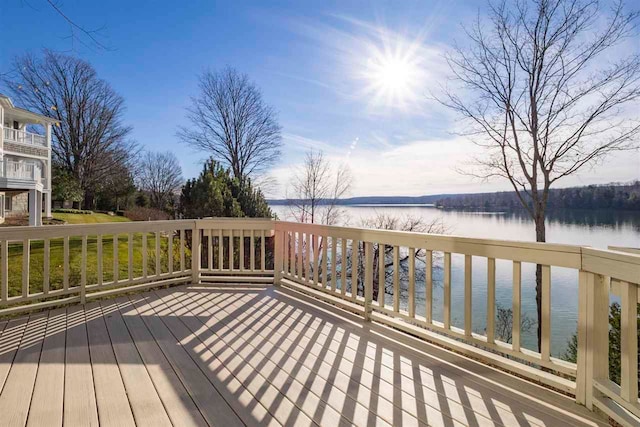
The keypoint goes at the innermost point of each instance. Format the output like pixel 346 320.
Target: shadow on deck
pixel 248 355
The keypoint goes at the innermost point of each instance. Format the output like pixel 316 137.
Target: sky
pixel 323 65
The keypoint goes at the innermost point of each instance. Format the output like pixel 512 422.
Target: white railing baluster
pixel 545 344
pixel 170 251
pixel 491 300
pixel 241 254
pixel 130 253
pixel 343 266
pixel 252 251
pixel 195 255
pixel 46 257
pixel 382 273
pixel 468 300
pixel 100 260
pixel 412 283
pixel 145 256
pixel 26 252
pixel 210 249
pixel 316 259
pixel 300 266
pixel 158 265
pixel 368 279
pixel 396 279
pixel 83 270
pixel 516 304
pixel 65 263
pixel 629 342
pixel 231 250
pixel 292 253
pixel 334 259
pixel 355 248
pixel 116 261
pixel 263 251
pixel 325 260
pixel 447 291
pixel 182 266
pixel 428 282
pixel 4 284
pixel 307 257
pixel 220 250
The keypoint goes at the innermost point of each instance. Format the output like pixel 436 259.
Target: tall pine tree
pixel 216 193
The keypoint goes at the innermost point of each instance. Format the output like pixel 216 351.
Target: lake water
pixel 588 228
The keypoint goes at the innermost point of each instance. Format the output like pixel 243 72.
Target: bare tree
pixel 316 189
pixel 91 140
pixel 160 175
pixel 382 221
pixel 231 122
pixel 543 96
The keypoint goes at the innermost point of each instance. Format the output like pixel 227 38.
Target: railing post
pixel 593 335
pixel 278 248
pixel 195 254
pixel 368 279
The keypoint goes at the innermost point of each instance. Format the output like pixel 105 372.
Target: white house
pixel 25 163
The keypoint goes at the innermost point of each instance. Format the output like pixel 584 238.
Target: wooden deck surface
pixel 247 355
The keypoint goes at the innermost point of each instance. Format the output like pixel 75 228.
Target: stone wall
pixel 19 203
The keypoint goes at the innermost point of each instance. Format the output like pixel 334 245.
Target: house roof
pixel 26 114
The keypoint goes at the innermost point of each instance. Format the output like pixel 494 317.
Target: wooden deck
pixel 247 355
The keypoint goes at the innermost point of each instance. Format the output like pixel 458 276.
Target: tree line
pixel 608 196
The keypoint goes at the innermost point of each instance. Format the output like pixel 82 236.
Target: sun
pixel 393 74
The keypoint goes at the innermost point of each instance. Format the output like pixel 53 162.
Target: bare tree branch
pixel 231 122
pixel 316 189
pixel 160 175
pixel 91 141
pixel 540 92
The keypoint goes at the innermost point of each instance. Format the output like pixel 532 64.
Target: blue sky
pixel 310 58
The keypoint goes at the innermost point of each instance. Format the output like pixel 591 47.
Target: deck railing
pixel 20 170
pixel 23 137
pixel 388 277
pixel 348 265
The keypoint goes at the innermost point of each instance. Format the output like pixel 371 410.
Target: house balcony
pixel 23 137
pixel 256 322
pixel 17 175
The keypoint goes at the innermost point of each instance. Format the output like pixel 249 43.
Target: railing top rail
pixel 618 265
pixel 51 231
pixel 543 253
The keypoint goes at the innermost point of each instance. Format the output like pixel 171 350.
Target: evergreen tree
pixel 216 193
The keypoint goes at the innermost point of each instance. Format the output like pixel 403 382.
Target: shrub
pixel 73 211
pixel 145 214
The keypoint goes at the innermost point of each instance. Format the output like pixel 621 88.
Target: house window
pixel 7 203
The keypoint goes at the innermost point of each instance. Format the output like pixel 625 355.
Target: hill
pixel 607 196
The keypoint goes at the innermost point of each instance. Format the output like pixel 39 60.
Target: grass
pixel 95 218
pixel 56 257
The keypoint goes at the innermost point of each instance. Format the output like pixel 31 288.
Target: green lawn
pixel 56 257
pixel 95 218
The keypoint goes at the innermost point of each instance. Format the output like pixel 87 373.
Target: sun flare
pixel 393 74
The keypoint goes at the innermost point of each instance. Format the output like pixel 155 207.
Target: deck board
pixel 48 393
pixel 18 388
pixel 176 399
pixel 243 406
pixel 80 406
pixel 203 392
pixel 144 399
pixel 248 355
pixel 9 344
pixel 111 396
